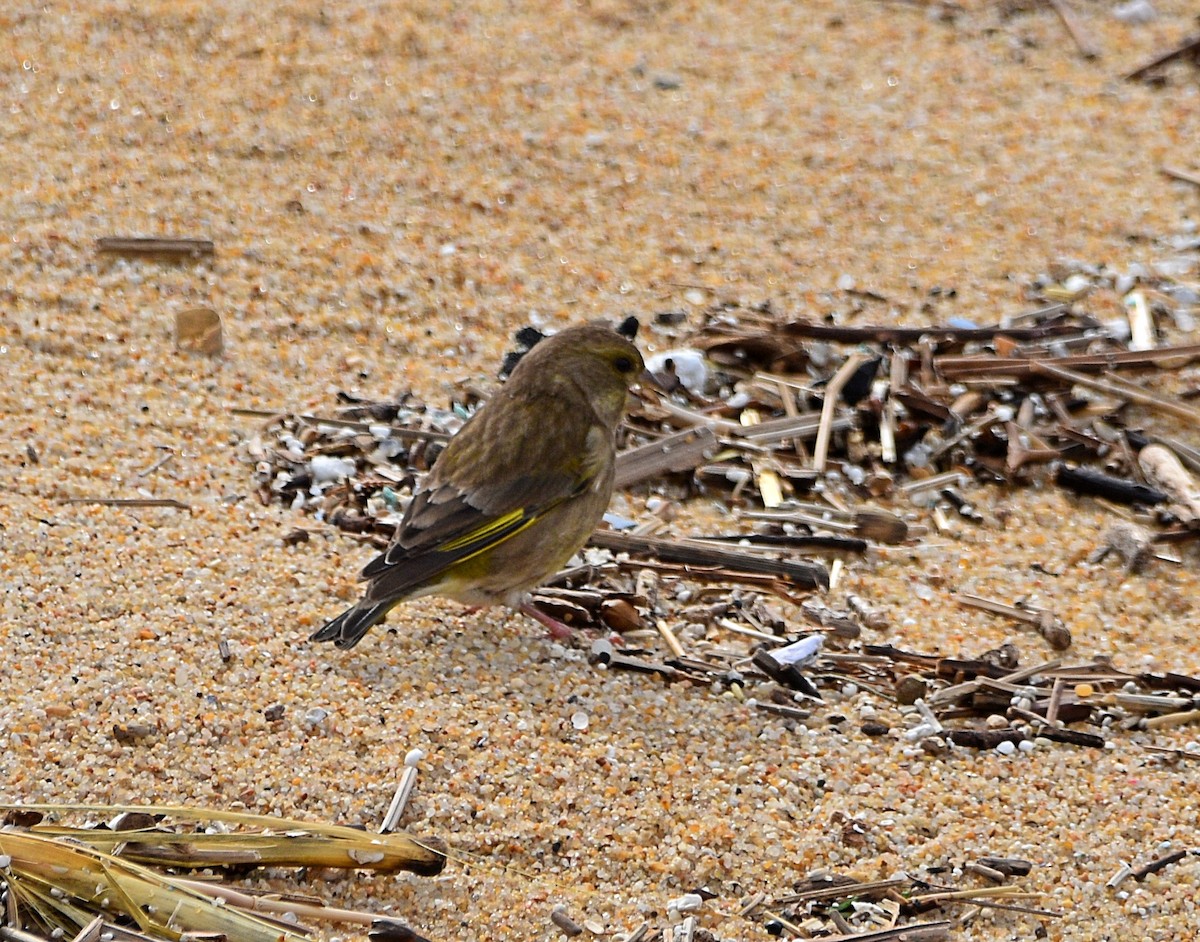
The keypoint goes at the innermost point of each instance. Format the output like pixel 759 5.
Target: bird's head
pixel 595 358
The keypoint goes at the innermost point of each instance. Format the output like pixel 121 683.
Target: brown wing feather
pixel 500 463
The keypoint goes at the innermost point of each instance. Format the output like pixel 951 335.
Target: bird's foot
pixel 559 631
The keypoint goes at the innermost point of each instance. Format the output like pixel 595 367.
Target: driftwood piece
pixel 909 335
pixel 681 451
pixel 1098 484
pixel 1165 471
pixel 962 367
pixel 801 574
pixel 151 245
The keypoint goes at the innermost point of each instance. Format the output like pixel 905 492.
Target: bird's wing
pixel 498 475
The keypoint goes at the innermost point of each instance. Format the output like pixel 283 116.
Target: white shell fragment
pixel 688 365
pixel 800 652
pixel 326 469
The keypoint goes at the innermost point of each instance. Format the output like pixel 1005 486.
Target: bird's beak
pixel 649 379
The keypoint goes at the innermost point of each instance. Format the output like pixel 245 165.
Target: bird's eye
pixel 624 364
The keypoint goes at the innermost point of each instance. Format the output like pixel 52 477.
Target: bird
pixel 517 490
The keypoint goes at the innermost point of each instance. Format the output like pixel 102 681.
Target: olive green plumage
pixel 516 492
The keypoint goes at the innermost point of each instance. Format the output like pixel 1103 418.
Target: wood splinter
pixel 1047 624
pixel 1164 470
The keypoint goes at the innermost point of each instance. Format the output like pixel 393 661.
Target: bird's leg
pixel 559 631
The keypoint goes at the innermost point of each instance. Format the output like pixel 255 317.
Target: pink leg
pixel 559 631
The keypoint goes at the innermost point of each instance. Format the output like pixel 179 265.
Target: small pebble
pixel 316 716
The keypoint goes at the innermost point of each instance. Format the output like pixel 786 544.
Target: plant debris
pixel 821 459
pixel 120 877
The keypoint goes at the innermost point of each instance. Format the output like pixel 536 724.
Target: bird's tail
pixel 347 629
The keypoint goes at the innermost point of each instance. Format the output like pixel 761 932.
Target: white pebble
pixel 1077 283
pixel 687 903
pixel 1026 745
pixel 1006 748
pixel 920 731
pixel 315 717
pixel 579 720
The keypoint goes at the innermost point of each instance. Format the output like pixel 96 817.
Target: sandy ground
pixel 392 189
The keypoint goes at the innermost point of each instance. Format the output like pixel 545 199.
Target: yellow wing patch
pixel 490 533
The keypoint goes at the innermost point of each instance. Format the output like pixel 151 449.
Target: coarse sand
pixel 392 189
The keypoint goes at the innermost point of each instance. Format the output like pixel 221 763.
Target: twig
pixel 962 367
pixel 1172 719
pixel 1174 753
pixel 669 637
pixel 129 502
pixel 399 431
pixel 1047 624
pixel 267 905
pixel 839 890
pixel 1055 701
pixel 833 392
pixel 1161 863
pixel 682 451
pixel 119 245
pixel 1004 892
pixel 1190 45
pixel 638 934
pixel 802 574
pixel 920 932
pixel 1185 175
pixel 150 469
pixel 804 425
pixel 908 335
pixel 1115 386
pixel 1087 48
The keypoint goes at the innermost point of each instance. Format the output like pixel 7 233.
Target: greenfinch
pixel 516 492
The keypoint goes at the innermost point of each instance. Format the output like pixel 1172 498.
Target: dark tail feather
pixel 347 629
